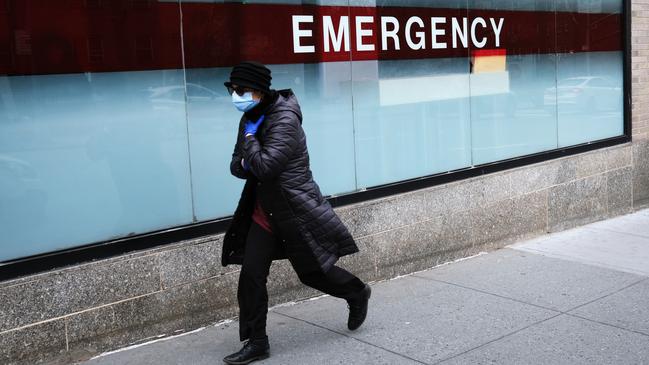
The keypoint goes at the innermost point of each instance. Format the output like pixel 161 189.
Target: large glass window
pixel 323 89
pixel 589 90
pixel 509 80
pixel 93 143
pixel 114 120
pixel 406 124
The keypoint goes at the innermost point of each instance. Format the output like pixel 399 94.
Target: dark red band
pixel 488 52
pixel 47 37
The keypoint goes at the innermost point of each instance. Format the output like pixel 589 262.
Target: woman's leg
pixel 341 283
pixel 252 294
pixel 336 282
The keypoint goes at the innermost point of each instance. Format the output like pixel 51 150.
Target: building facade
pixel 437 131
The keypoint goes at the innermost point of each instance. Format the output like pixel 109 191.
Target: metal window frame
pixel 106 249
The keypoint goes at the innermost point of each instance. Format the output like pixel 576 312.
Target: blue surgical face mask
pixel 244 102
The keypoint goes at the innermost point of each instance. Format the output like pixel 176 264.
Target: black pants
pixel 253 296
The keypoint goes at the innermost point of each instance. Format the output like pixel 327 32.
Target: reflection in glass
pixel 589 97
pixel 323 89
pixel 411 118
pixel 509 117
pixel 103 155
pixel 589 71
pixel 89 156
pixel 98 119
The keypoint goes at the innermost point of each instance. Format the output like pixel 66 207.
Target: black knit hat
pixel 250 74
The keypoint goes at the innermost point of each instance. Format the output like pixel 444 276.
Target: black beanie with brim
pixel 252 75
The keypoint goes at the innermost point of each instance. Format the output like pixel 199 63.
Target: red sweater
pixel 260 217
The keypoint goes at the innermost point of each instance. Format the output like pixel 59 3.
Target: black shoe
pixel 253 350
pixel 358 308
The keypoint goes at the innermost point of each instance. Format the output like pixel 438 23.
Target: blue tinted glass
pixel 590 6
pixel 590 97
pixel 589 71
pixel 88 137
pixel 323 91
pixel 510 115
pixel 411 118
pixel 87 157
pixel 93 140
pixel 213 123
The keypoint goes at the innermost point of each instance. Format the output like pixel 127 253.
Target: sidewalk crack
pixel 558 312
pixel 608 324
pixel 499 338
pixel 488 293
pixel 353 338
pixel 607 295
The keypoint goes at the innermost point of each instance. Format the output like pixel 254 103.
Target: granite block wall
pixel 75 313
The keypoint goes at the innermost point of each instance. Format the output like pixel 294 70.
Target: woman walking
pixel 281 213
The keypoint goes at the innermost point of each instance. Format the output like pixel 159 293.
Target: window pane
pixel 214 43
pixel 100 121
pixel 325 95
pixel 411 105
pixel 590 72
pixel 213 123
pixel 510 82
pixel 92 147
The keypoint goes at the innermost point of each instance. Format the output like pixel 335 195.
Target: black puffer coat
pixel 311 234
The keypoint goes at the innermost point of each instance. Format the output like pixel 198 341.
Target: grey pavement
pixel 573 297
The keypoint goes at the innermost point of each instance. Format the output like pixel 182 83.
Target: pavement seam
pixel 354 338
pixel 608 324
pixel 606 296
pixel 488 293
pixel 498 339
pixel 532 304
pixel 558 312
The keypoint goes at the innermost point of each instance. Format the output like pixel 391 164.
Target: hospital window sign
pixel 435 33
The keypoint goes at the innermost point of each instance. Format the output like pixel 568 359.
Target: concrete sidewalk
pixel 575 297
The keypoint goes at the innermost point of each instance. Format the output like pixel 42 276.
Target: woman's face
pixel 256 95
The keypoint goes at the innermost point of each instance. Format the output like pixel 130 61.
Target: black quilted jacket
pixel 311 234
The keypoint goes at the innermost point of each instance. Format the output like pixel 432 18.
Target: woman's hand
pixel 250 128
pixel 245 165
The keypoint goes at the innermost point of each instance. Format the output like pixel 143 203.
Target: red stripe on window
pixel 489 52
pixel 48 37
